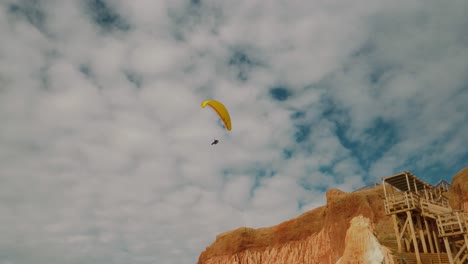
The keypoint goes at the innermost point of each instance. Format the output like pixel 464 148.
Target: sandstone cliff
pixel 459 191
pixel 317 236
pixel 322 235
pixel 361 245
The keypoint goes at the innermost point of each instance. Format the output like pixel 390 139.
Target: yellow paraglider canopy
pixel 220 110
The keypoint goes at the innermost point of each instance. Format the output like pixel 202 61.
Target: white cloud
pixel 105 152
pixel 237 191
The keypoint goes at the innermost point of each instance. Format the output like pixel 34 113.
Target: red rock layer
pixel 317 236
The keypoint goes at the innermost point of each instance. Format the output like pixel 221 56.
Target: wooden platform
pixel 452 224
pixel 427 230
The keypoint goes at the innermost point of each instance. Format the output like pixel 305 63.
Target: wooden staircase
pixel 424 222
pixel 432 210
pixel 391 244
pixel 426 258
pixel 410 257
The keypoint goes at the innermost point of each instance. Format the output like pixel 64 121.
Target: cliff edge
pixel 322 235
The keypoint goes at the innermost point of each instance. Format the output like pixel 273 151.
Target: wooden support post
pixel 413 236
pixel 408 244
pixel 402 233
pixel 429 237
pixel 466 242
pixel 436 240
pixel 407 200
pixel 397 233
pixel 421 234
pixel 460 223
pixel 449 251
pixel 407 181
pixel 458 257
pixel 384 188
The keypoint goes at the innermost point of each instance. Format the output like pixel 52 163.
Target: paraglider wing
pixel 220 110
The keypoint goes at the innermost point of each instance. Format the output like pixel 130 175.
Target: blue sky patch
pixel 195 2
pixel 287 153
pixel 300 204
pixel 31 11
pixel 242 64
pixel 302 133
pixel 86 70
pixel 297 115
pixel 134 78
pixel 376 75
pixel 280 93
pixel 308 184
pixel 105 17
pixel 371 144
pixel 433 173
pixel 380 137
pixel 326 169
pixel 259 174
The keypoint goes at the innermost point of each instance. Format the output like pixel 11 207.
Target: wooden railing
pixel 451 225
pixel 433 209
pixel 454 223
pixel 400 202
pixel 369 186
pixel 434 196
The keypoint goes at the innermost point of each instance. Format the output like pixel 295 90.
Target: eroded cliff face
pixel 317 236
pixel 322 235
pixel 362 246
pixel 458 194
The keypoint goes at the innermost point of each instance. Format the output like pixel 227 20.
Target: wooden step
pixel 434 258
pixel 406 258
pixel 391 244
pixel 426 258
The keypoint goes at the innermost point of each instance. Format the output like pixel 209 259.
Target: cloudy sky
pixel 105 152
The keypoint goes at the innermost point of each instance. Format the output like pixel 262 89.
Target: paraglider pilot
pixel 215 142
